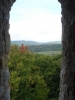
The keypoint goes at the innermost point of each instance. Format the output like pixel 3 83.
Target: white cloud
pixel 31 20
pixel 35 27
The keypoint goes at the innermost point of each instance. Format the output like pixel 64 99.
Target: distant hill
pixel 53 42
pixel 19 43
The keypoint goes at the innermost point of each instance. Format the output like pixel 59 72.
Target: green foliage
pixel 45 47
pixel 33 76
pixel 50 68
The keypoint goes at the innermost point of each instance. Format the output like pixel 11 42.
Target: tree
pixel 26 81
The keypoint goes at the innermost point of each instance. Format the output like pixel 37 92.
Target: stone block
pixel 4 61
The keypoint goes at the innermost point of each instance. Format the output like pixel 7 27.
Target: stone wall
pixel 67 82
pixel 5 6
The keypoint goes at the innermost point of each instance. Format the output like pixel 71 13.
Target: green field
pixel 49 52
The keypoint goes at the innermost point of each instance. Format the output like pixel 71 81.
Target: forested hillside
pixel 45 47
pixel 39 47
pixel 19 42
pixel 33 76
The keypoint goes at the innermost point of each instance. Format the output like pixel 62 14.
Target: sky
pixel 35 20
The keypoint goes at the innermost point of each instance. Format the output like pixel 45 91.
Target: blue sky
pixel 36 20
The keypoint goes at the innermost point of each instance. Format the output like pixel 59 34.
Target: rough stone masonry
pixel 5 6
pixel 67 82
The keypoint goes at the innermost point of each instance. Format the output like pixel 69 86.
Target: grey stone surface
pixel 67 81
pixel 5 7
